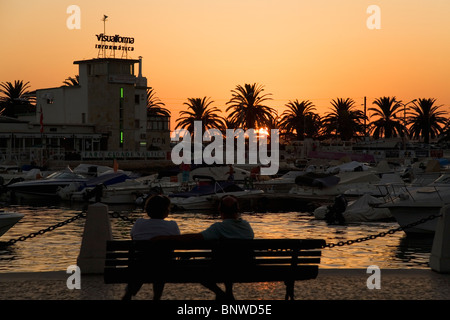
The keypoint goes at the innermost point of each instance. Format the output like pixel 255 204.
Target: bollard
pixel 97 230
pixel 440 252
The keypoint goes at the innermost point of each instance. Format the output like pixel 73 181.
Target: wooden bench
pixel 236 261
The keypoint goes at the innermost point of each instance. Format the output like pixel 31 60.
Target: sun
pixel 263 131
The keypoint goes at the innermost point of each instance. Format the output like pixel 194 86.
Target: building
pixel 104 116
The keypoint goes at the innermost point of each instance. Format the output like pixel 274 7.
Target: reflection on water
pixel 57 249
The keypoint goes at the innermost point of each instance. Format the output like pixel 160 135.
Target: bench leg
pixel 289 290
pixel 158 288
pixel 220 295
pixel 131 290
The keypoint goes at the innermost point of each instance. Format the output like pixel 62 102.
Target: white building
pixel 106 112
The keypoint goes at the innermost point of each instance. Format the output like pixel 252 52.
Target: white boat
pixel 280 185
pixel 389 183
pixel 8 220
pixel 218 173
pixel 46 187
pixel 109 187
pixel 329 186
pixel 205 195
pixel 364 209
pixel 414 203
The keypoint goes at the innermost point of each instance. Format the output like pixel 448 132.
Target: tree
pixel 16 98
pixel 299 117
pixel 426 119
pixel 155 107
pixel 343 121
pixel 72 81
pixel 388 123
pixel 247 108
pixel 199 109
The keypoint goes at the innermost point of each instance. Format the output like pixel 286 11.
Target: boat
pixel 8 220
pixel 414 203
pixel 388 183
pixel 110 187
pixel 218 172
pixel 365 209
pixel 281 184
pixel 327 186
pixel 48 186
pixel 206 194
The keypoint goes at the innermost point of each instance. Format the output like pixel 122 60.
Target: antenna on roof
pixel 102 51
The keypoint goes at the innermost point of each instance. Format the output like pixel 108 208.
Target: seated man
pixel 157 208
pixel 232 226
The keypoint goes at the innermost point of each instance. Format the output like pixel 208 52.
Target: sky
pixel 297 49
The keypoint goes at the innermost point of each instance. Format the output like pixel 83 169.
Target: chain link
pixel 383 234
pixel 124 218
pixel 41 232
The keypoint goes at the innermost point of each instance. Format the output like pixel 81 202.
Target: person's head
pixel 157 206
pixel 229 207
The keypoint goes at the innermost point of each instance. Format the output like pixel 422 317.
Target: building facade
pixel 105 114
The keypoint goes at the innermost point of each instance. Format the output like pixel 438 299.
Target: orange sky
pixel 306 50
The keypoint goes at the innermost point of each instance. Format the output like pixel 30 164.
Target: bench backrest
pixel 224 260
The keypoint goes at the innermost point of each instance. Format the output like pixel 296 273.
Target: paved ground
pixel 403 293
pixel 331 284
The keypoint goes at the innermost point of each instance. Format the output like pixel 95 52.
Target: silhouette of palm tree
pixel 343 120
pixel 426 119
pixel 388 124
pixel 155 107
pixel 299 117
pixel 248 110
pixel 16 99
pixel 199 109
pixel 72 81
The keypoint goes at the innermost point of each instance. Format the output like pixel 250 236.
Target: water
pixel 57 249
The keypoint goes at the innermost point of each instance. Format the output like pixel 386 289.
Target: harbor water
pixel 56 250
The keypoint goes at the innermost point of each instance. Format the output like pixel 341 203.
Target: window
pixel 136 99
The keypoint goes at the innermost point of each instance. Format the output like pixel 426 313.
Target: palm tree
pixel 248 110
pixel 155 107
pixel 299 117
pixel 344 120
pixel 16 99
pixel 426 119
pixel 388 124
pixel 199 109
pixel 72 81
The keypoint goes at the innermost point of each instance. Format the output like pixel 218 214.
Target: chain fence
pixel 383 234
pixel 131 220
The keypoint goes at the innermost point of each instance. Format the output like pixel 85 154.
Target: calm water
pixel 57 249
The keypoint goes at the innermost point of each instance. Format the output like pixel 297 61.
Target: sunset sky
pixel 307 50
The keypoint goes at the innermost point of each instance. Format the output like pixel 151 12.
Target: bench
pixel 218 261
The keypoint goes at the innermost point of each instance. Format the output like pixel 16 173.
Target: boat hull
pixel 405 215
pixel 8 220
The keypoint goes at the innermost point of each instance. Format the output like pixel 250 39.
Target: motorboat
pixel 414 203
pixel 281 184
pixel 206 194
pixel 327 186
pixel 48 186
pixel 388 183
pixel 217 172
pixel 364 209
pixel 110 187
pixel 8 220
